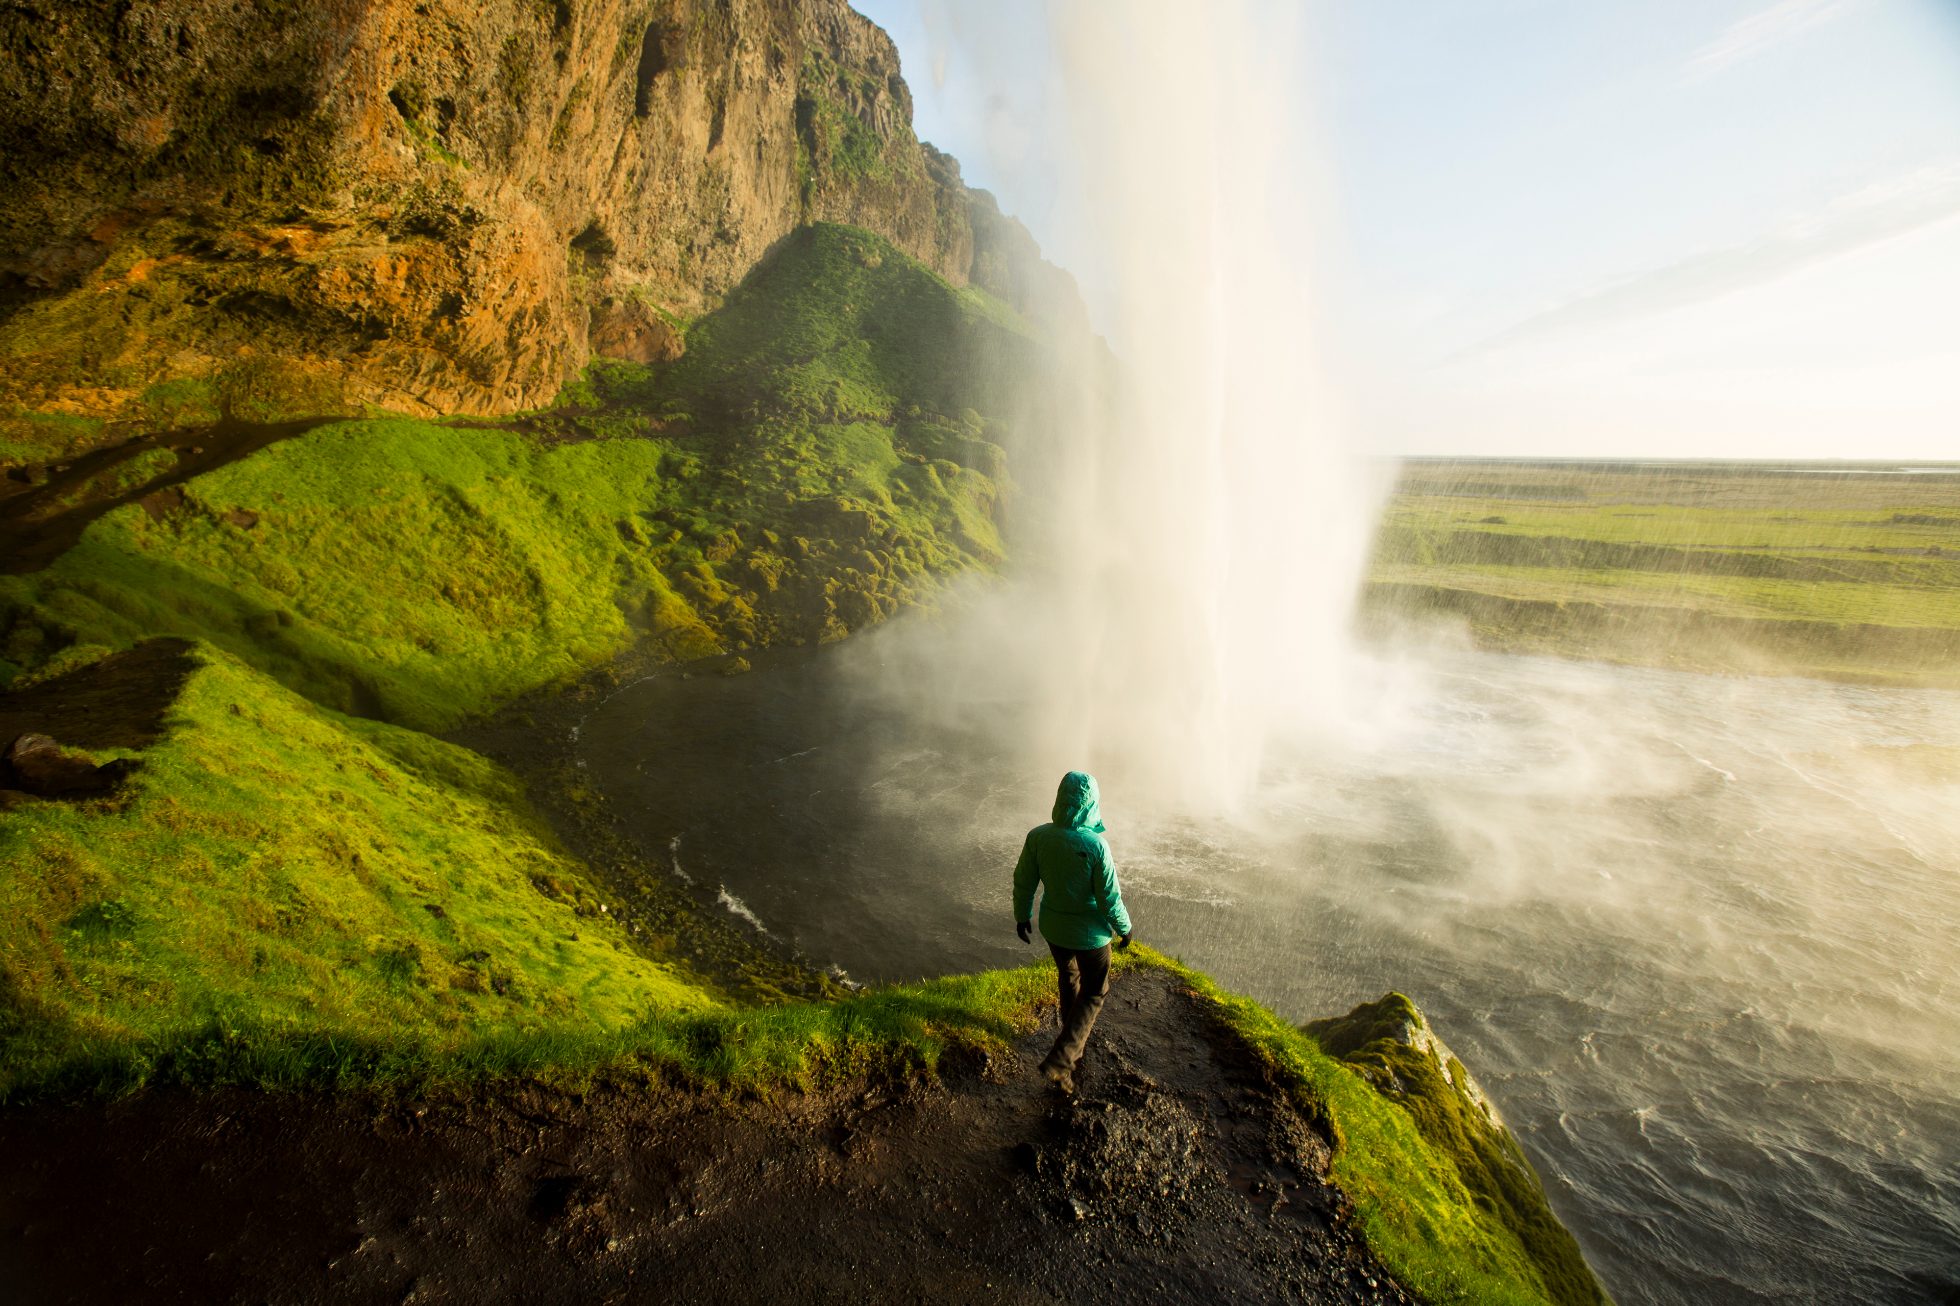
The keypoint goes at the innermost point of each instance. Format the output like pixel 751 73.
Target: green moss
pixel 283 896
pixel 276 867
pixel 29 439
pixel 422 572
pixel 1410 1199
pixel 121 479
pixel 392 567
pixel 1389 1042
pixel 428 138
pixel 270 335
pixel 185 401
pixel 832 137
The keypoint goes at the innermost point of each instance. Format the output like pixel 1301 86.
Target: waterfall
pixel 1207 537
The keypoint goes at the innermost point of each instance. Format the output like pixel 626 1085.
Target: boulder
pixel 36 764
pixel 1391 1045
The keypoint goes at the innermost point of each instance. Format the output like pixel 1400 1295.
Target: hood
pixel 1077 805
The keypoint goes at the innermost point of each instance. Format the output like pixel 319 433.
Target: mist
pixel 1691 929
pixel 1191 523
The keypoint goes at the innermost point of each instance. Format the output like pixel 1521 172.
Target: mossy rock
pixel 1393 1047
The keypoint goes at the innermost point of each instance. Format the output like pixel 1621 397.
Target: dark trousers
pixel 1083 977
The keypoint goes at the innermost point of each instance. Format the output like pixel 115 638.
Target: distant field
pixel 1849 572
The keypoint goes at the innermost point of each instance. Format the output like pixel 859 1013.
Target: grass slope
pixel 814 461
pixel 277 867
pixel 284 895
pixel 1390 1043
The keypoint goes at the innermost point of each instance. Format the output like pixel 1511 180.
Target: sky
pixel 1651 228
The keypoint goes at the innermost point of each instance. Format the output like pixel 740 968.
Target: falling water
pixel 1203 542
pixel 1691 931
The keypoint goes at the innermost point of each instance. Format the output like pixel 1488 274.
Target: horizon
pixel 1723 230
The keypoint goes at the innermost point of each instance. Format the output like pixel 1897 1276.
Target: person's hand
pixel 1122 943
pixel 1022 928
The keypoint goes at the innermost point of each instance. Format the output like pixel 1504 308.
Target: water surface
pixel 1695 934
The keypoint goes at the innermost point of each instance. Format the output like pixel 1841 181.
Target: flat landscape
pixel 1842 571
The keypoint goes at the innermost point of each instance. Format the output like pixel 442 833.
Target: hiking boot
pixel 1058 1075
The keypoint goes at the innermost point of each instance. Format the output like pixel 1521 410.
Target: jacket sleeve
pixel 1110 894
pixel 1027 874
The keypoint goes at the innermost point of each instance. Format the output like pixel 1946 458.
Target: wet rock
pixel 1138 1150
pixel 36 764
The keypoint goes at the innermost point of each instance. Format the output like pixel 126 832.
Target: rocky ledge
pixel 1181 1173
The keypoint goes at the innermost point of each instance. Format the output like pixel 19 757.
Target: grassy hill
pixel 819 456
pixel 1737 568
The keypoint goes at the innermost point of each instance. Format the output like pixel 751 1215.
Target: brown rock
pixel 417 204
pixel 627 329
pixel 36 764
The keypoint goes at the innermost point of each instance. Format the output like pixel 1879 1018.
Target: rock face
pixel 1390 1043
pixel 433 206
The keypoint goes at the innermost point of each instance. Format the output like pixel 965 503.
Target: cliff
pixel 830 446
pixel 367 368
pixel 1393 1047
pixel 446 206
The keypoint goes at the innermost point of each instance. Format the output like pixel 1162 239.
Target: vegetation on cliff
pixel 288 888
pixel 1390 1043
pixel 284 895
pixel 1708 568
pixel 816 458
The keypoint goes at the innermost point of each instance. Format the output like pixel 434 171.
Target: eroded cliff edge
pixel 278 209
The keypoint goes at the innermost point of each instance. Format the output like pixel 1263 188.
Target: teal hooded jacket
pixel 1081 903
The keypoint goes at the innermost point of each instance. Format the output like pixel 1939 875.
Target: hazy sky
pixel 1653 227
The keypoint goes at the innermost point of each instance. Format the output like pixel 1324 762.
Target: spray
pixel 1207 533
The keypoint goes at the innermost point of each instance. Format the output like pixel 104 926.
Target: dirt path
pixel 44 510
pixel 1177 1175
pixel 117 702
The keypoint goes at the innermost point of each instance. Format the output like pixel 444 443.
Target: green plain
pixel 1846 573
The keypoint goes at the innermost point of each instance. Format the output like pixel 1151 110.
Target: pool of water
pixel 1696 935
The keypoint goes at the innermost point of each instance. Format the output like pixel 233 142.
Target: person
pixel 1081 911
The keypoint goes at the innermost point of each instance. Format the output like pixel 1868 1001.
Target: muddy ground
pixel 1177 1174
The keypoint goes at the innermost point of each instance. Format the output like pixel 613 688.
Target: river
pixel 1696 935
